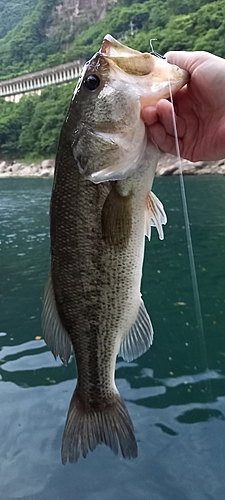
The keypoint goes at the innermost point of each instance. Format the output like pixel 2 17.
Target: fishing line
pixel 194 280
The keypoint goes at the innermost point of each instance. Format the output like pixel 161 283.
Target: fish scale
pixel 101 209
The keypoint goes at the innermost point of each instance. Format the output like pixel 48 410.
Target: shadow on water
pixel 174 393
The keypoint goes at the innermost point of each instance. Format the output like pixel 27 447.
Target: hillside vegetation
pixel 27 46
pixel 37 41
pixel 32 126
pixel 12 12
pixel 190 25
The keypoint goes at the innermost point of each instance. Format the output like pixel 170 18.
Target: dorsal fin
pixel 117 218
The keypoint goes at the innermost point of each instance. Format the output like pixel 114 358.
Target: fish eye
pixel 92 82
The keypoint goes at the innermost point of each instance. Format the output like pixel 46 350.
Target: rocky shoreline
pixel 16 169
pixel 170 165
pixel 167 165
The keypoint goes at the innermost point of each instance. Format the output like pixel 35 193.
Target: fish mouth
pixel 158 78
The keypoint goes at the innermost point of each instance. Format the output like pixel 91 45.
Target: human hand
pixel 199 109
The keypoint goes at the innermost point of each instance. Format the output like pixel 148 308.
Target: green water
pixel 175 393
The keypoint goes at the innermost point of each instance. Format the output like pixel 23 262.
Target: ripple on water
pixel 179 427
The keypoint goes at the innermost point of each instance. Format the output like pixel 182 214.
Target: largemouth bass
pixel 101 209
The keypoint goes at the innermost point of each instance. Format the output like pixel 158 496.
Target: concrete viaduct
pixel 15 88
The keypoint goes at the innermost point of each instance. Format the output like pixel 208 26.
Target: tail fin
pixel 86 428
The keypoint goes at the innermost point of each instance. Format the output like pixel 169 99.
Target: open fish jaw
pixel 158 76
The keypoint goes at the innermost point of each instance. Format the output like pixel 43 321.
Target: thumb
pixel 182 59
pixel 192 60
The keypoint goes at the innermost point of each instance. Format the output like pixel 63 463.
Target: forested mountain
pixel 54 31
pixel 42 38
pixel 12 12
pixel 43 33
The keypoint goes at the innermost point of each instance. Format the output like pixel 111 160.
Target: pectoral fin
pixel 54 334
pixel 117 218
pixel 139 338
pixel 155 215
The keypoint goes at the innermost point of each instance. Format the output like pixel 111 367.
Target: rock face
pixel 70 15
pixel 48 164
pixel 15 169
pixel 168 165
pixel 99 7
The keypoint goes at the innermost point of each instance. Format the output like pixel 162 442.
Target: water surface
pixel 175 393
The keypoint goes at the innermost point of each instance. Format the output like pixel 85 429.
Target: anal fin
pixel 139 338
pixel 155 215
pixel 54 333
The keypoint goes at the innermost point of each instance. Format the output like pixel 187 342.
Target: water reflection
pixel 175 394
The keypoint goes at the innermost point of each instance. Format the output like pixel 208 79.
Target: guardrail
pixel 15 88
